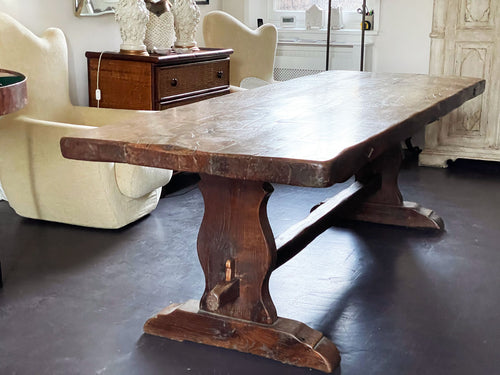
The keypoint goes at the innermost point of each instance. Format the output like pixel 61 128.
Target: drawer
pixel 191 78
pixel 174 102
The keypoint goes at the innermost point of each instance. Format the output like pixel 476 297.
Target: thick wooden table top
pixel 311 131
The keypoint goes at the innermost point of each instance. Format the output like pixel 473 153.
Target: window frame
pixel 350 17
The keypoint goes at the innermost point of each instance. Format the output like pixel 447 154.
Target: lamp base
pixel 134 52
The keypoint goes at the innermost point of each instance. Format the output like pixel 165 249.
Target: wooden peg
pixel 226 291
pixel 229 270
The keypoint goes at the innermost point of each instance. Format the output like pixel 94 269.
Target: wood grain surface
pixel 311 131
pixel 285 340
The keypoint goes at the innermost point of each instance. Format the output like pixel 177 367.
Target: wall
pixel 235 7
pixel 246 10
pixel 403 42
pixel 82 33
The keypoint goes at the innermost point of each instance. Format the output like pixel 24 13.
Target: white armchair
pixel 38 182
pixel 254 50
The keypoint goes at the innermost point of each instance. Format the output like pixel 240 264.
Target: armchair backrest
pixel 254 50
pixel 43 60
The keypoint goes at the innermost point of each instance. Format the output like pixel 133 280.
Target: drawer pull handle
pixel 174 82
pixel 220 74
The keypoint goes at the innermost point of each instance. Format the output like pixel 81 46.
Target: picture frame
pixel 82 8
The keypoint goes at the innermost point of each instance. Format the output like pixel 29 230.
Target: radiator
pixel 284 74
pixel 296 59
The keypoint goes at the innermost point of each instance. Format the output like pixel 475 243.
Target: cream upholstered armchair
pixel 38 182
pixel 254 50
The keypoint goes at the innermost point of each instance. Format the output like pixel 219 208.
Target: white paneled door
pixel 466 42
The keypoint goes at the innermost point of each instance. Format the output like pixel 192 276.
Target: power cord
pixel 98 90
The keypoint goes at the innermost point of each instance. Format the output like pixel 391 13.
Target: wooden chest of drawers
pixel 157 82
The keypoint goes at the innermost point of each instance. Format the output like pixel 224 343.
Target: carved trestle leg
pixel 386 205
pixel 237 252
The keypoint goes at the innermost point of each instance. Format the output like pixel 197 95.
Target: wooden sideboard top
pixel 204 54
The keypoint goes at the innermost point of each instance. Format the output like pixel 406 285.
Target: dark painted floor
pixel 395 301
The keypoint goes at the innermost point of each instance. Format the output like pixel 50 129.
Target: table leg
pixel 386 205
pixel 237 252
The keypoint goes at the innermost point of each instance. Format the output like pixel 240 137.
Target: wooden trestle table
pixel 313 131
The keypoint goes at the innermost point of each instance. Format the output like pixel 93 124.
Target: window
pixel 294 10
pixel 301 5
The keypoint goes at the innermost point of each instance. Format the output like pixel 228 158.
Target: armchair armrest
pixel 97 117
pixel 253 82
pixel 134 181
pixel 233 89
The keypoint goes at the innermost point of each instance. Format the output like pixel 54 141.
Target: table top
pixel 13 95
pixel 311 131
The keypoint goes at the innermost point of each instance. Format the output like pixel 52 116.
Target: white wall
pixel 82 33
pixel 235 7
pixel 403 42
pixel 246 11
